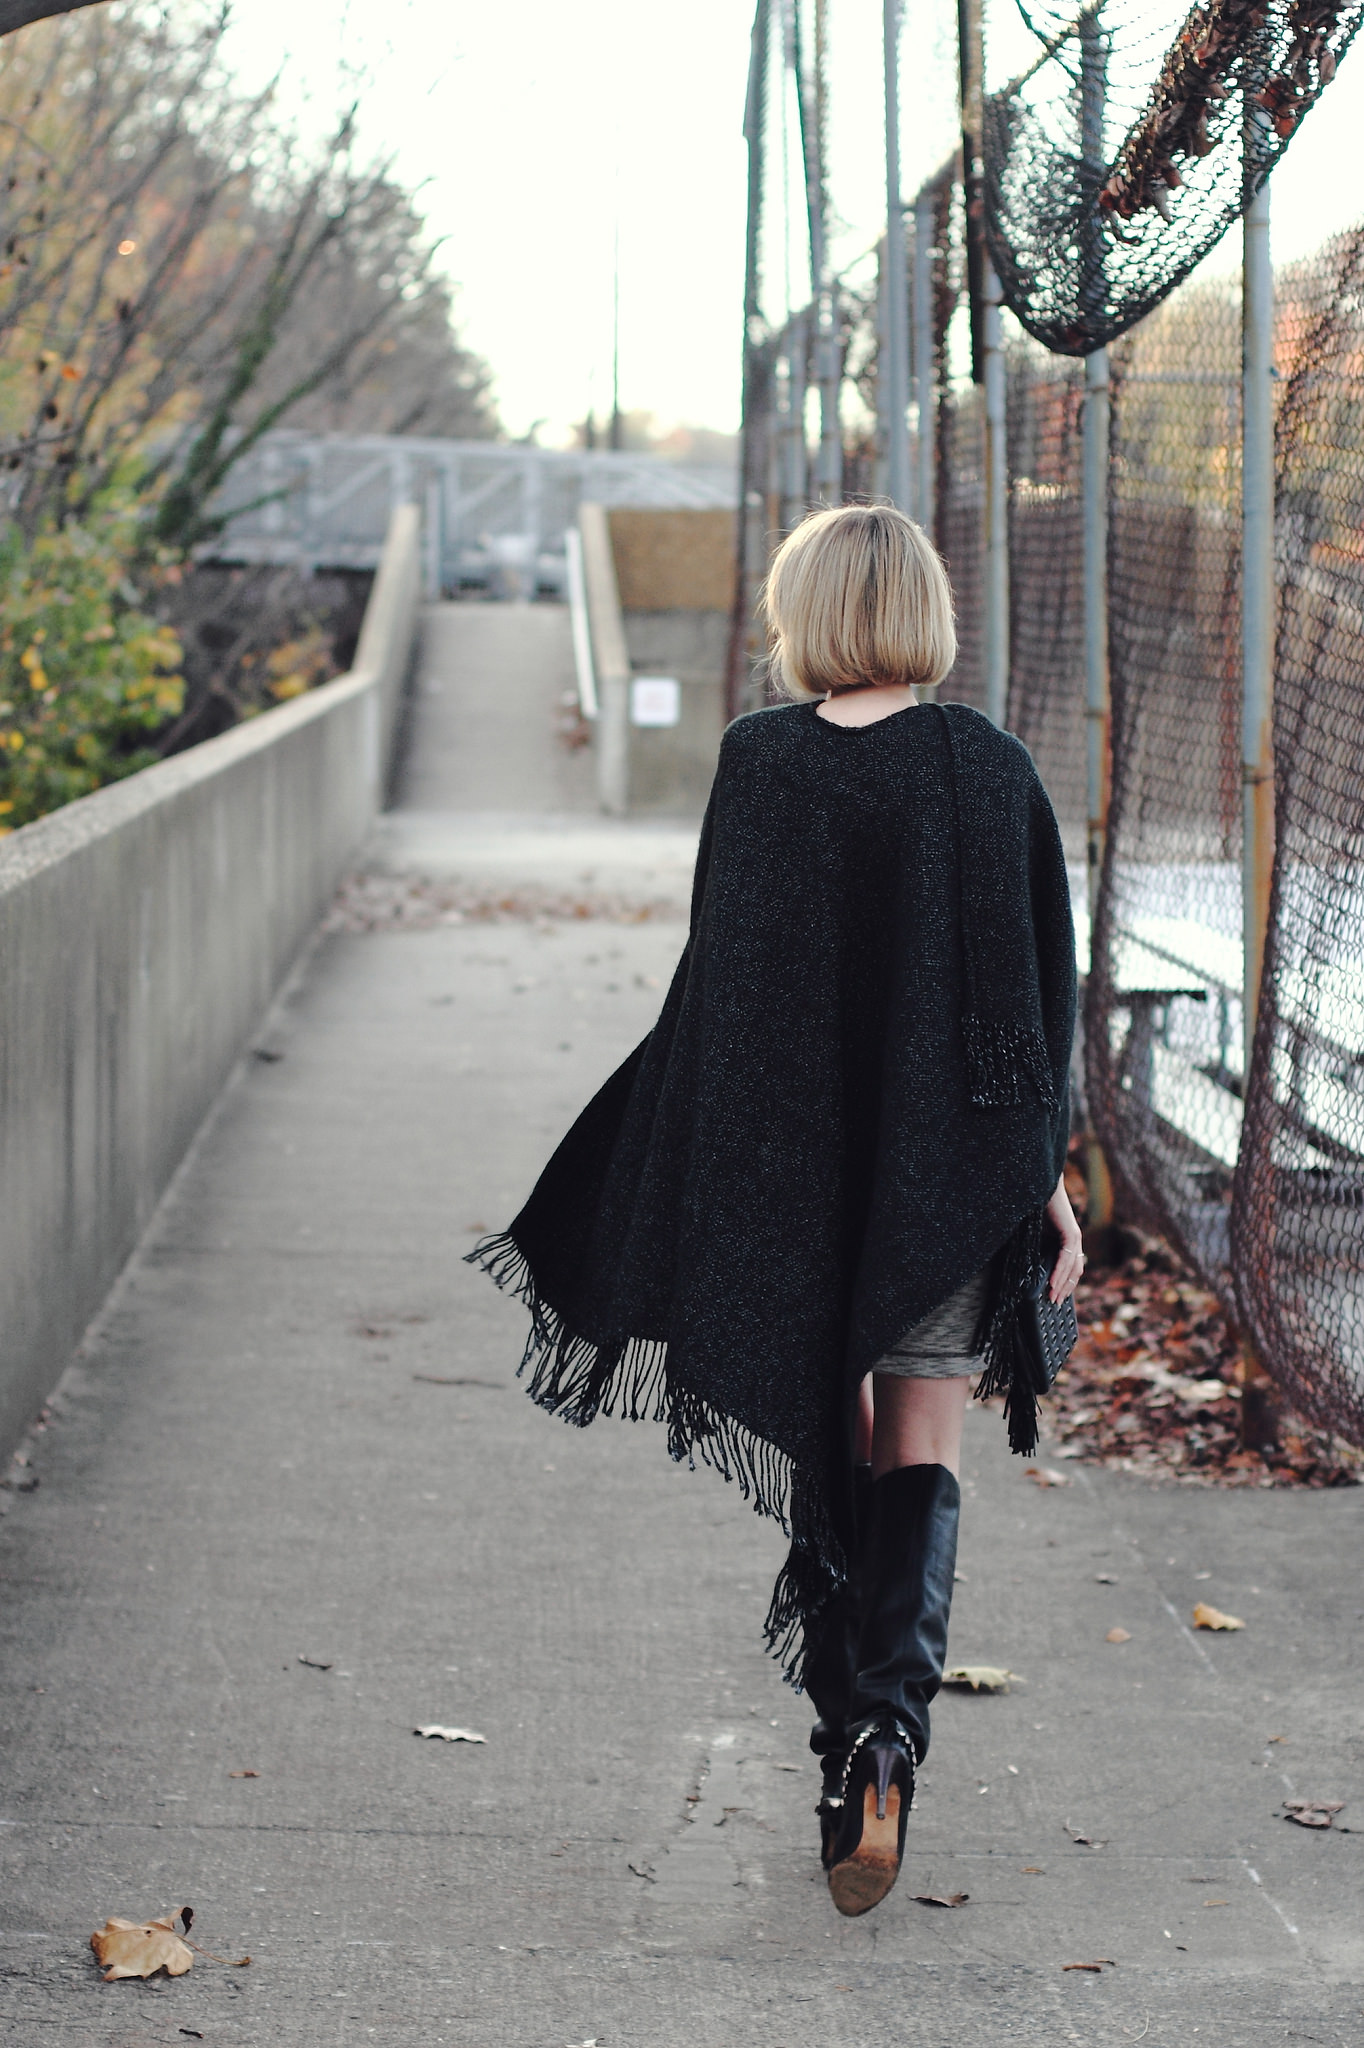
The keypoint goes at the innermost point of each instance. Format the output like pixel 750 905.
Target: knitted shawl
pixel 855 1097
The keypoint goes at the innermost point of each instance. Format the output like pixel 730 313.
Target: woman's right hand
pixel 1070 1263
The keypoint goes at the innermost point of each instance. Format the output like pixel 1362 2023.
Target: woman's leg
pixel 906 1594
pixel 917 1422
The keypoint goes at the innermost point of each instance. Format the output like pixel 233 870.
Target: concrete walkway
pixel 296 1436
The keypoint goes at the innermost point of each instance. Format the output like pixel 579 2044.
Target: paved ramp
pixel 494 794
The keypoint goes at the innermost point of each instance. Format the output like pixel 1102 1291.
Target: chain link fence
pixel 1297 1231
pixel 1165 1026
pixel 1256 1177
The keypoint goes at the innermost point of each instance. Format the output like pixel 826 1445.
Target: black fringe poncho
pixel 855 1095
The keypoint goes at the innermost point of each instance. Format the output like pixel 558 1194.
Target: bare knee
pixel 917 1422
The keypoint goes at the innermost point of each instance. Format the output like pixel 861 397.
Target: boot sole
pixel 862 1880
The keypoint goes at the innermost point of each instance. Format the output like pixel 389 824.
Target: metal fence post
pixel 1098 735
pixel 1260 1413
pixel 996 508
pixel 829 370
pixel 899 480
pixel 1257 601
pixel 792 454
pixel 1097 738
pixel 924 366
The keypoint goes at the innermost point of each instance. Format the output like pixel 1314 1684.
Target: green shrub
pixel 85 673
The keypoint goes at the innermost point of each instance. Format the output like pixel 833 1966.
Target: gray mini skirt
pixel 939 1348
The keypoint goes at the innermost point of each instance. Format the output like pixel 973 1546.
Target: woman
pixel 796 1222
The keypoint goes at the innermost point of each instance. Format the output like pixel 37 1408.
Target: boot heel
pixel 885 1768
pixel 870 1841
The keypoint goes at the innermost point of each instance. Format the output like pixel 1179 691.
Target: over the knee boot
pixel 831 1673
pixel 908 1561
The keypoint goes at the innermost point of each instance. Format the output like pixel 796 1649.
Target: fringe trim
pixel 1001 1057
pixel 573 1377
pixel 1004 1372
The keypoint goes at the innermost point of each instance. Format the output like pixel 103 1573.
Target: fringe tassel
pixel 1001 1057
pixel 577 1379
pixel 1004 1373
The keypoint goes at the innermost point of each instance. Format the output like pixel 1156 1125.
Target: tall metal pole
pixel 1097 705
pixel 878 467
pixel 924 365
pixel 1093 288
pixel 793 457
pixel 616 434
pixel 1260 1408
pixel 827 478
pixel 895 369
pixel 996 506
pixel 1257 600
pixel 750 521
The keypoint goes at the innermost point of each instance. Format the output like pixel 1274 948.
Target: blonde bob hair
pixel 857 596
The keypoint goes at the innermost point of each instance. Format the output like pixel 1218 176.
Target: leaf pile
pixel 1151 1385
pixel 414 903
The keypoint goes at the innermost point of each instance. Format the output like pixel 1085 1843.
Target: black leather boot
pixel 908 1560
pixel 831 1674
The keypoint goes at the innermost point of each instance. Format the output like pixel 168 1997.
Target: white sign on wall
pixel 655 700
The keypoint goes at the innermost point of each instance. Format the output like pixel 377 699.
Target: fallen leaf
pixel 1033 1870
pixel 139 1948
pixel 786 1767
pixel 1046 1475
pixel 1083 1841
pixel 942 1898
pixel 1210 1617
pixel 982 1677
pixel 1118 1635
pixel 1103 1963
pixel 450 1734
pixel 1312 1813
pixel 1276 1738
pixel 1217 1902
pixel 313 1664
pixel 243 1774
pixel 193 2033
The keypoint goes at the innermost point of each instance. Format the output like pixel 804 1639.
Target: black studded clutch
pixel 1045 1332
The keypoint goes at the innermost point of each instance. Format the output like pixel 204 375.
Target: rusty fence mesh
pixel 1258 1180
pixel 1046 568
pixel 1165 1030
pixel 1298 1209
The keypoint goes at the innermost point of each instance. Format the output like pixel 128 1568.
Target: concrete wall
pixel 674 573
pixel 143 932
pixel 672 767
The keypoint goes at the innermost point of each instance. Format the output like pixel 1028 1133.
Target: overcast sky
pixel 535 126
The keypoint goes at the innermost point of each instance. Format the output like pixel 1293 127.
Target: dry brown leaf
pixel 942 1898
pixel 243 1774
pixel 450 1734
pixel 1033 1870
pixel 139 1948
pixel 1046 1475
pixel 1211 1617
pixel 1102 1963
pixel 1118 1635
pixel 1217 1902
pixel 982 1677
pixel 1312 1813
